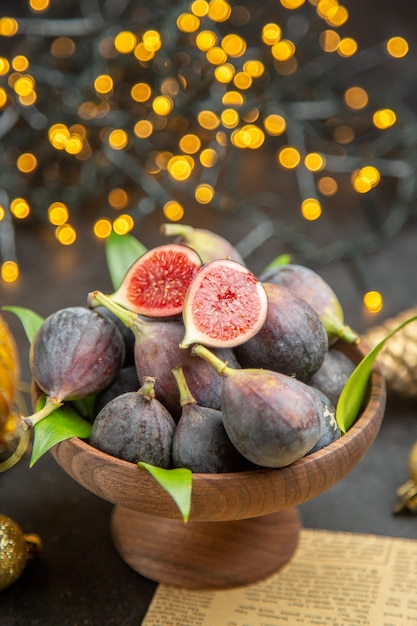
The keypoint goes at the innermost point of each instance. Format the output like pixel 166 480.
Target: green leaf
pixel 121 252
pixel 282 259
pixel 177 482
pixel 354 390
pixel 31 321
pixel 61 424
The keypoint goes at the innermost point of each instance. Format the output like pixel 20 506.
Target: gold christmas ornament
pixel 398 358
pixel 15 550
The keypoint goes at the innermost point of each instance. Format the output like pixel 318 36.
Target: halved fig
pixel 224 306
pixel 155 285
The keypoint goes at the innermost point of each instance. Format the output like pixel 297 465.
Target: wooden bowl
pixel 243 526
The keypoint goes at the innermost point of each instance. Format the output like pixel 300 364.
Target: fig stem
pixel 219 365
pixel 341 330
pixel 186 397
pixel 125 316
pixel 147 389
pixel 51 405
pixel 181 230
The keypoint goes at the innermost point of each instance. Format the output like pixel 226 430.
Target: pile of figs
pixel 196 362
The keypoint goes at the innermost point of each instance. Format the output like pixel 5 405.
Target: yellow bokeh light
pixel 39 5
pixel 224 73
pixel 289 157
pixel 204 193
pixel 230 118
pixel 243 80
pixel 397 47
pixel 66 234
pixel 326 7
pixel 9 271
pixel 162 105
pixel 249 136
pixel 327 186
pixel 143 129
pixel 283 50
pixel 152 40
pixel 292 4
pixel 271 33
pixel 142 53
pixel 190 143
pixel 20 63
pixel 102 228
pixel 28 100
pixel 314 161
pixel 24 85
pixel 27 163
pixel 141 92
pixel 233 45
pixel 337 16
pixel 180 167
pixel 4 66
pixel 275 124
pixel 188 22
pixel 373 301
pixel 103 84
pixel 311 209
pixel 216 56
pixel 58 135
pixel 3 97
pixel 347 47
pixel 219 10
pixel 173 210
pixel 208 157
pixel 329 40
pixel 233 98
pixel 254 68
pixel 365 179
pixel 125 42
pixel 356 98
pixel 384 118
pixel 20 208
pixel 199 8
pixel 343 134
pixel 208 120
pixel 205 40
pixel 74 144
pixel 118 139
pixel 2 213
pixel 123 224
pixel 8 26
pixel 58 213
pixel 118 198
pixel 62 47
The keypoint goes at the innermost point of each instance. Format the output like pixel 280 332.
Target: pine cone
pixel 398 358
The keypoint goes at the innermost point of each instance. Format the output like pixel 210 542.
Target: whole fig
pixel 75 352
pixel 126 380
pixel 200 441
pixel 135 427
pixel 272 419
pixel 310 286
pixel 333 374
pixel 330 430
pixel 292 340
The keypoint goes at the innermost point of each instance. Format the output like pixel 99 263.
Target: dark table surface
pixel 79 579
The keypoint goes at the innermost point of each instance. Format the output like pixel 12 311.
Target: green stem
pixel 186 397
pixel 336 328
pixel 125 316
pixel 180 230
pixel 219 365
pixel 147 389
pixel 51 405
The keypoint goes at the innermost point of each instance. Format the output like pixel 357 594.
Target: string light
pixel 175 99
pixel 373 301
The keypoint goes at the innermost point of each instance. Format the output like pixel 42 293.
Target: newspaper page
pixel 334 579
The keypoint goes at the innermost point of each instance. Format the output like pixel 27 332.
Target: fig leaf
pixel 177 483
pixel 30 320
pixel 354 390
pixel 63 423
pixel 121 252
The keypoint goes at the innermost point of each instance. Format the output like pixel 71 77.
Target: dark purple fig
pixel 126 380
pixel 333 374
pixel 158 352
pixel 200 441
pixel 292 340
pixel 156 283
pixel 208 245
pixel 310 286
pixel 135 427
pixel 330 430
pixel 75 352
pixel 271 418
